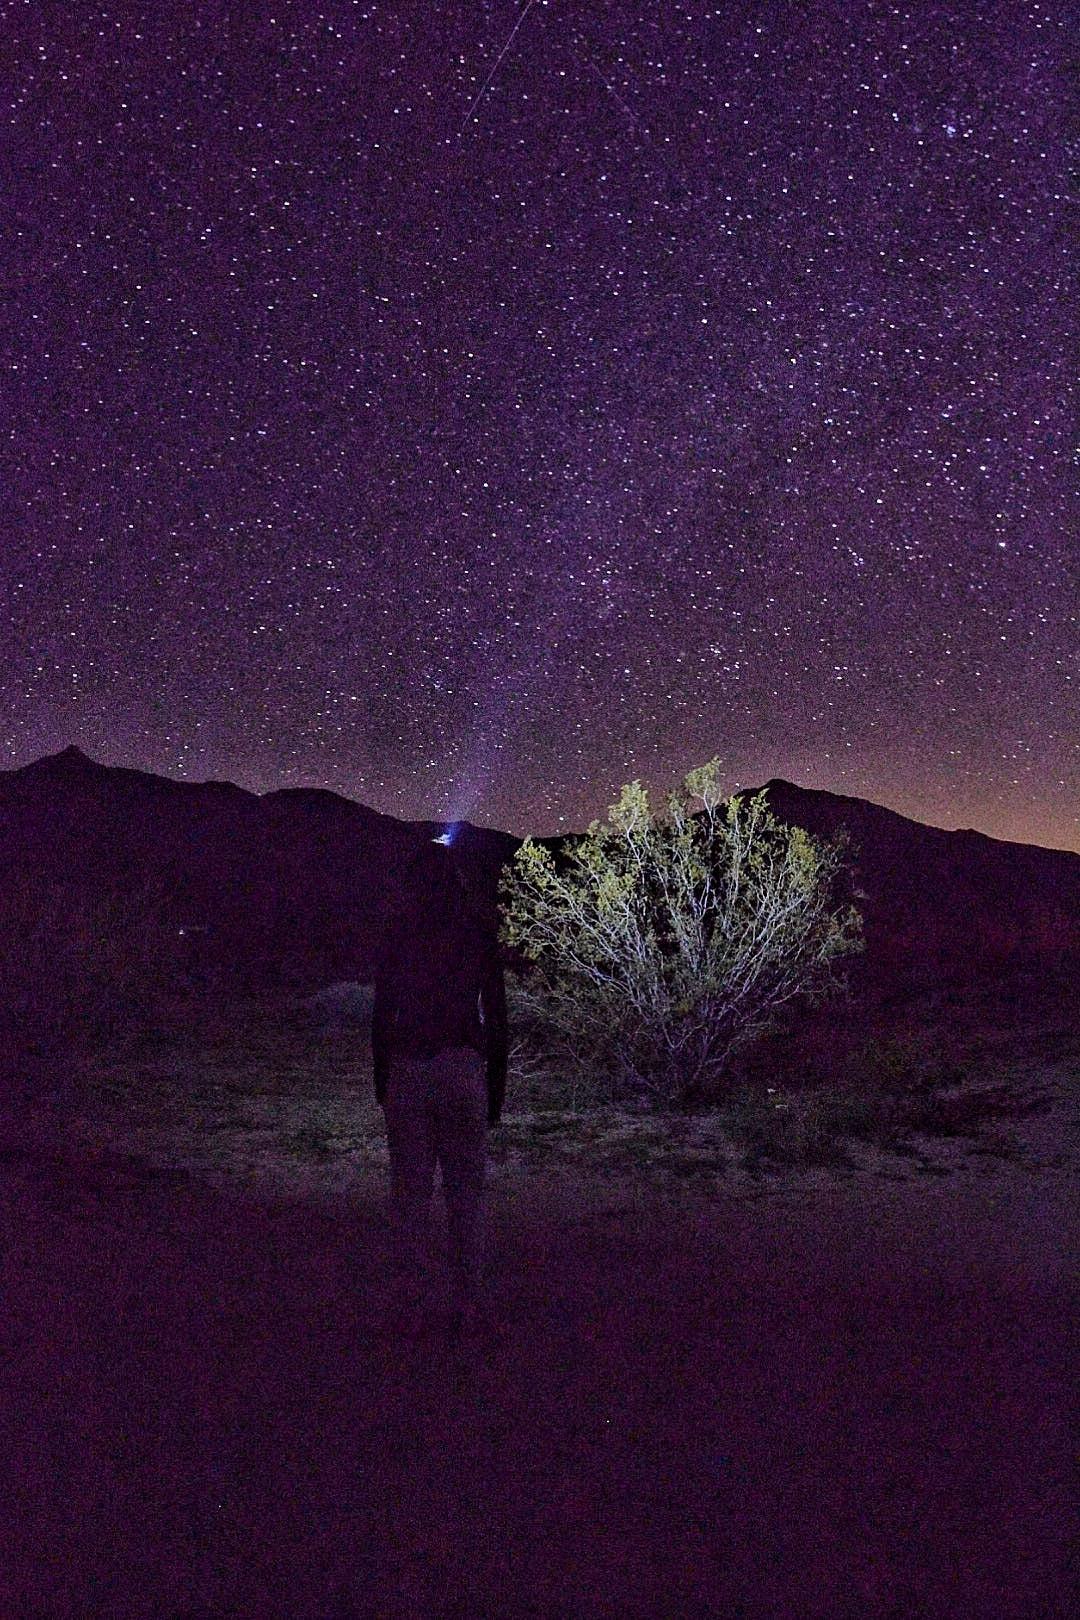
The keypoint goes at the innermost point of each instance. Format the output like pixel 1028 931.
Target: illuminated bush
pixel 653 949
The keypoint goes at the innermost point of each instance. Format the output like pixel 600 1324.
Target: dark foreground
pixel 857 1403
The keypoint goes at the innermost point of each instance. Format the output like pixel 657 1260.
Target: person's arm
pixel 380 1044
pixel 493 997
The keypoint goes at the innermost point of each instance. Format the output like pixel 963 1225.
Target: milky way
pixel 471 436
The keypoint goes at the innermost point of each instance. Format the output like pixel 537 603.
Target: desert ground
pixel 713 1385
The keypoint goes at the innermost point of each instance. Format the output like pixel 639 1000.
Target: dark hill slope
pixel 944 906
pixel 115 877
pixel 132 880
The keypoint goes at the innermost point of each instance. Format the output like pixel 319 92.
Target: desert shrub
pixel 545 1072
pixel 906 1070
pixel 655 949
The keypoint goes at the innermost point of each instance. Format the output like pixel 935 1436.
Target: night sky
pixel 472 407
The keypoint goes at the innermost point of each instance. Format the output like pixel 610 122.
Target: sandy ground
pixel 828 1394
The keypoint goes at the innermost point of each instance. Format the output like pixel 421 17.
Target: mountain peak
pixel 69 759
pixel 69 765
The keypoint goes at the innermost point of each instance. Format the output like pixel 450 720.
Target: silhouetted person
pixel 439 1041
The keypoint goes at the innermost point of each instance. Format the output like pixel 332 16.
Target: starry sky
pixel 473 407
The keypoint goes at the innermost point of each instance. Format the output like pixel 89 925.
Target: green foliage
pixel 654 949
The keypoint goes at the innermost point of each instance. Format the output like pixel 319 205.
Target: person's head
pixel 437 903
pixel 438 892
pixel 451 890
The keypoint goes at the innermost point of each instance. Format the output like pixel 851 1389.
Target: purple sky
pixel 709 390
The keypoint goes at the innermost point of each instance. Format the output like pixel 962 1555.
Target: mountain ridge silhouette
pixel 242 891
